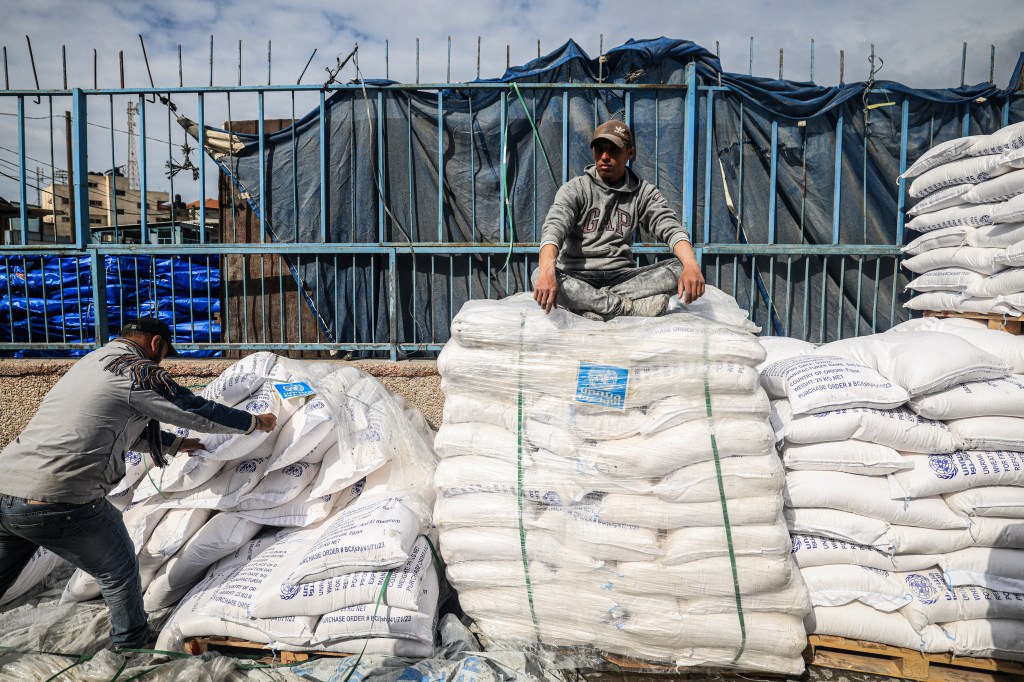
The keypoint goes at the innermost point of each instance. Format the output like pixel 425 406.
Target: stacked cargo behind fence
pixel 51 299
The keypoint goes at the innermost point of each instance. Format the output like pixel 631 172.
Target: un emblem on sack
pixel 260 406
pixel 943 466
pixel 921 588
pixel 247 467
pixel 293 470
pixel 289 591
pixel 133 458
pixel 796 545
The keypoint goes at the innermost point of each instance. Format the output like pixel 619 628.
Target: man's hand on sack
pixel 266 422
pixel 191 445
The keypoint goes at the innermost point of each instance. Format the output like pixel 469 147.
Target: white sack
pixel 990 502
pixel 850 456
pixel 996 397
pixel 381 622
pixel 240 380
pixel 898 429
pixel 998 343
pixel 306 436
pixel 860 622
pixel 947 280
pixel 1006 282
pixel 921 362
pixel 942 153
pixel 933 601
pixel 219 537
pixel 1013 255
pixel 957 302
pixel 742 477
pixel 812 550
pixel 966 171
pixel 692 544
pixel 867 496
pixel 370 535
pixel 41 564
pixel 1003 140
pixel 996 190
pixel 840 584
pixel 819 383
pixel 280 486
pixel 989 433
pixel 412 586
pixel 982 260
pixel 989 638
pixel 304 509
pixel 174 529
pixel 998 569
pixel 782 348
pixel 1009 211
pixel 961 470
pixel 970 215
pixel 944 198
pixel 1000 235
pixel 477 544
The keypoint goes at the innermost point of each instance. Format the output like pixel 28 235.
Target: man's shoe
pixel 591 316
pixel 651 306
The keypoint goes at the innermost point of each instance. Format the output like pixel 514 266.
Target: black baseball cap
pixel 614 131
pixel 150 325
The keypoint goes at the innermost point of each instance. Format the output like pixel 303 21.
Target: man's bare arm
pixel 691 281
pixel 545 291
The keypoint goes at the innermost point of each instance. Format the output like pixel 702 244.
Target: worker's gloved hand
pixel 266 422
pixel 191 445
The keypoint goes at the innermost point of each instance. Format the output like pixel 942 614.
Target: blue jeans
pixel 89 536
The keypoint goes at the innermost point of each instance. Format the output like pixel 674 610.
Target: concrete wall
pixel 23 383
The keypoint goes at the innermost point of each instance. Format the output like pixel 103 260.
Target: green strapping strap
pixel 81 660
pixel 149 475
pixel 519 481
pixel 725 507
pixel 376 607
pixel 124 664
pixel 536 133
pixel 504 170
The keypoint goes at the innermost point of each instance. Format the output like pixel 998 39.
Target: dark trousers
pixel 89 536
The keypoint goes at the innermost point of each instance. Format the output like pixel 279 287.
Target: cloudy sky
pixel 920 43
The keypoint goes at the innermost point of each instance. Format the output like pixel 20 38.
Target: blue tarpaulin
pixel 467 209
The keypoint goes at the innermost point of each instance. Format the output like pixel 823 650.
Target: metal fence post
pixel 80 160
pixel 97 265
pixel 690 152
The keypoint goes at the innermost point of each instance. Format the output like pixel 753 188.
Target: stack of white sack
pixel 366 579
pixel 199 509
pixel 970 209
pixel 613 486
pixel 879 483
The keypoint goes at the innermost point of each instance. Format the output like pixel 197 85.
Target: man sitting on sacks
pixel 586 264
pixel 57 473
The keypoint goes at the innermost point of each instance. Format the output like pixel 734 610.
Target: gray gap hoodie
pixel 593 224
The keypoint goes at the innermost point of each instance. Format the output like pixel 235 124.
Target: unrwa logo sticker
pixel 603 385
pixel 289 591
pixel 921 587
pixel 943 466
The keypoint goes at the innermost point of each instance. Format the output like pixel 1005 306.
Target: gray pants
pixel 603 291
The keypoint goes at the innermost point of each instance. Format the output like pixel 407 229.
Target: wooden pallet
pixel 907 664
pixel 240 648
pixel 1006 323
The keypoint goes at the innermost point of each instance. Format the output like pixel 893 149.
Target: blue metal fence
pixel 399 289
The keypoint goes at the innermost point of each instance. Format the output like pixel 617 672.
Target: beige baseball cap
pixel 614 131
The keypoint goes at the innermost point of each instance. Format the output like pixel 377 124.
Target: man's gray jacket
pixel 593 224
pixel 73 448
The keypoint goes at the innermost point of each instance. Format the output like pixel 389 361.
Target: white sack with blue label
pixel 592 470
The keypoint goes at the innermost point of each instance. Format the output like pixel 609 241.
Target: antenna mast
pixel 133 157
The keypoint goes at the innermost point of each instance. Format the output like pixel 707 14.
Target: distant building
pixel 111 202
pixel 10 224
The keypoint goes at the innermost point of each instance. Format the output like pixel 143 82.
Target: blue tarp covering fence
pixel 763 134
